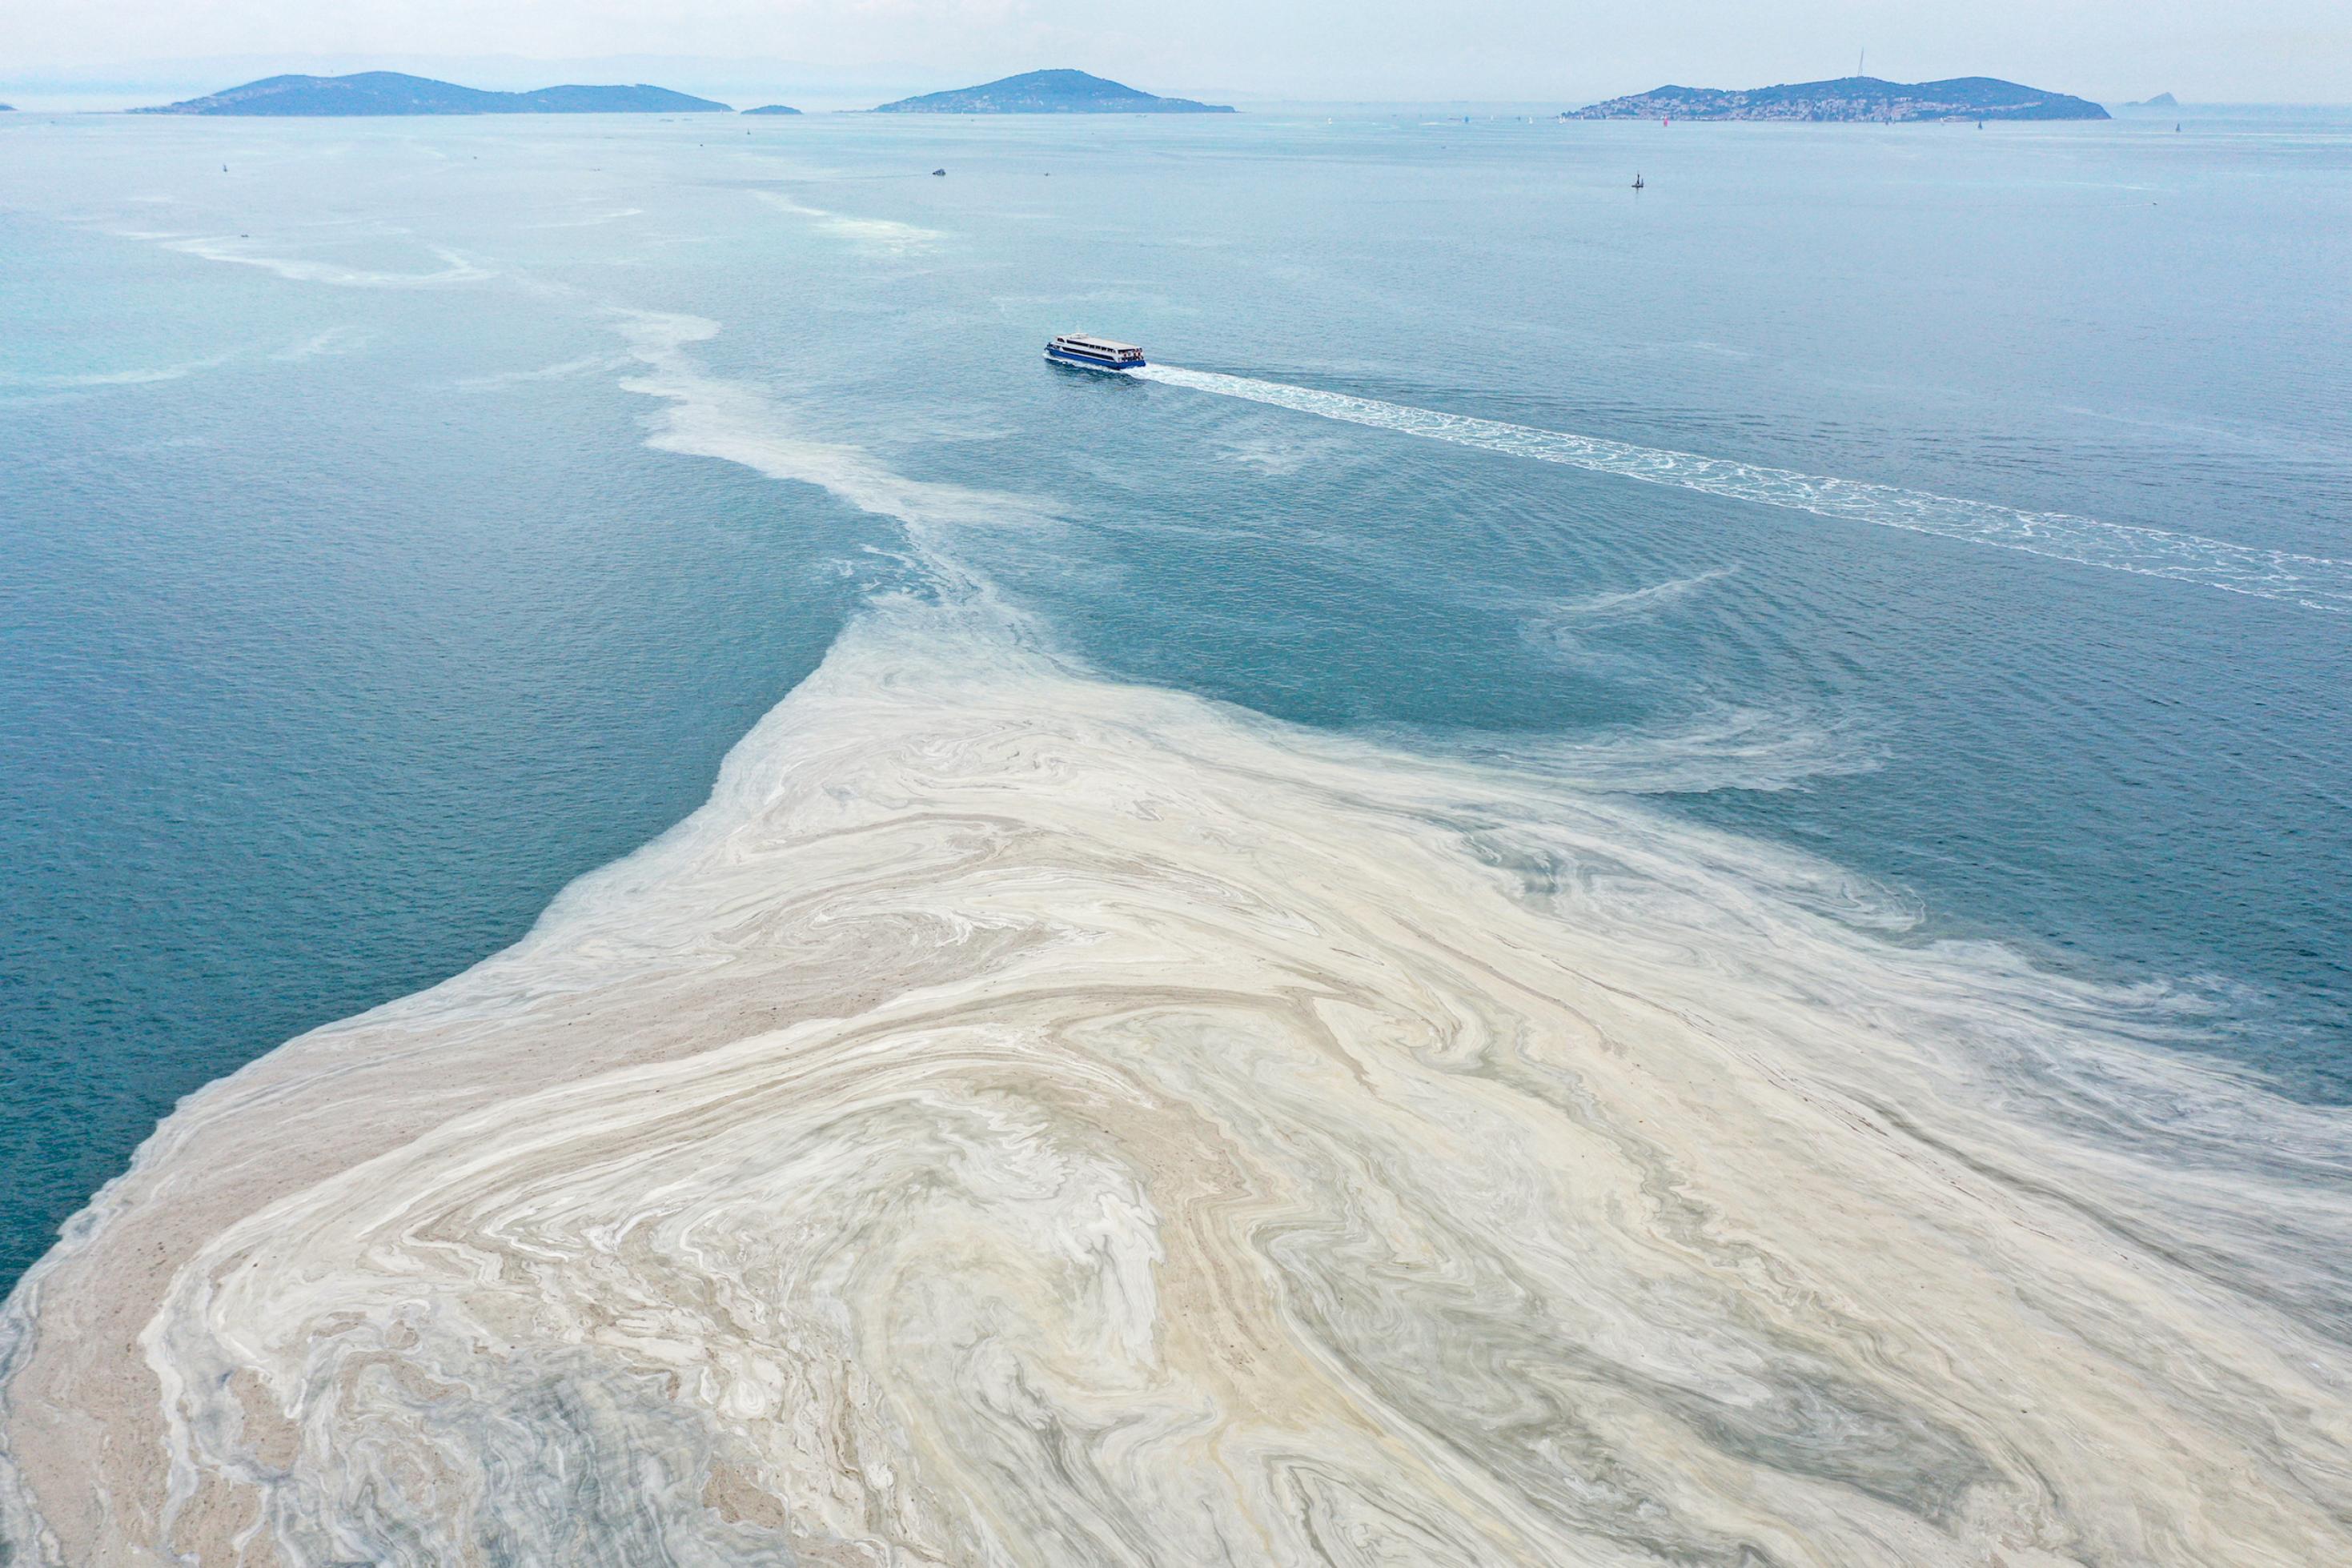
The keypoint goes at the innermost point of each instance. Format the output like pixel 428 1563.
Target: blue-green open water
pixel 346 614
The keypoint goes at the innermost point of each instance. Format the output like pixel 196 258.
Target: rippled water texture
pixel 1251 987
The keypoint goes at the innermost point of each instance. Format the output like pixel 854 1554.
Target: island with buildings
pixel 1865 98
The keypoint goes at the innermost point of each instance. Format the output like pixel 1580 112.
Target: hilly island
pixel 1852 99
pixel 391 92
pixel 1049 92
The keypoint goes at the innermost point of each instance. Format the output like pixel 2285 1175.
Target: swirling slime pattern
pixel 1026 1119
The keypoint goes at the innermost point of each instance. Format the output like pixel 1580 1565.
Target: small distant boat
pixel 1637 181
pixel 1083 352
pixel 940 174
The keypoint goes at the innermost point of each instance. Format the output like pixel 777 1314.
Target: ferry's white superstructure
pixel 1093 353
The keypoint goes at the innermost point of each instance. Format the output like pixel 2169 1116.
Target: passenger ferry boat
pixel 1093 353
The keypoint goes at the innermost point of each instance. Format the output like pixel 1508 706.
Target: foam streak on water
pixel 1024 1118
pixel 2315 582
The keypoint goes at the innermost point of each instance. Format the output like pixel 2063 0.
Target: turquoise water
pixel 1966 508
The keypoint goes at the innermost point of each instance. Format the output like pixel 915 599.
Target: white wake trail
pixel 2315 582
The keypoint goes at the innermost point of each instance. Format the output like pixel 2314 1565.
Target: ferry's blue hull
pixel 1078 361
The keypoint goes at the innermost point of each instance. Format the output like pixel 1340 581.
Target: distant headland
pixel 1852 99
pixel 1049 92
pixel 389 92
pixel 2161 101
pixel 774 109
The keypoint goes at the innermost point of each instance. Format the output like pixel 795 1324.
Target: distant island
pixel 774 109
pixel 2161 101
pixel 389 92
pixel 1851 98
pixel 1049 92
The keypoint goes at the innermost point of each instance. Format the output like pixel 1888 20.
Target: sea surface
pixel 402 519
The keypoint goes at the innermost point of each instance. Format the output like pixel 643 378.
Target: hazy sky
pixel 1535 50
